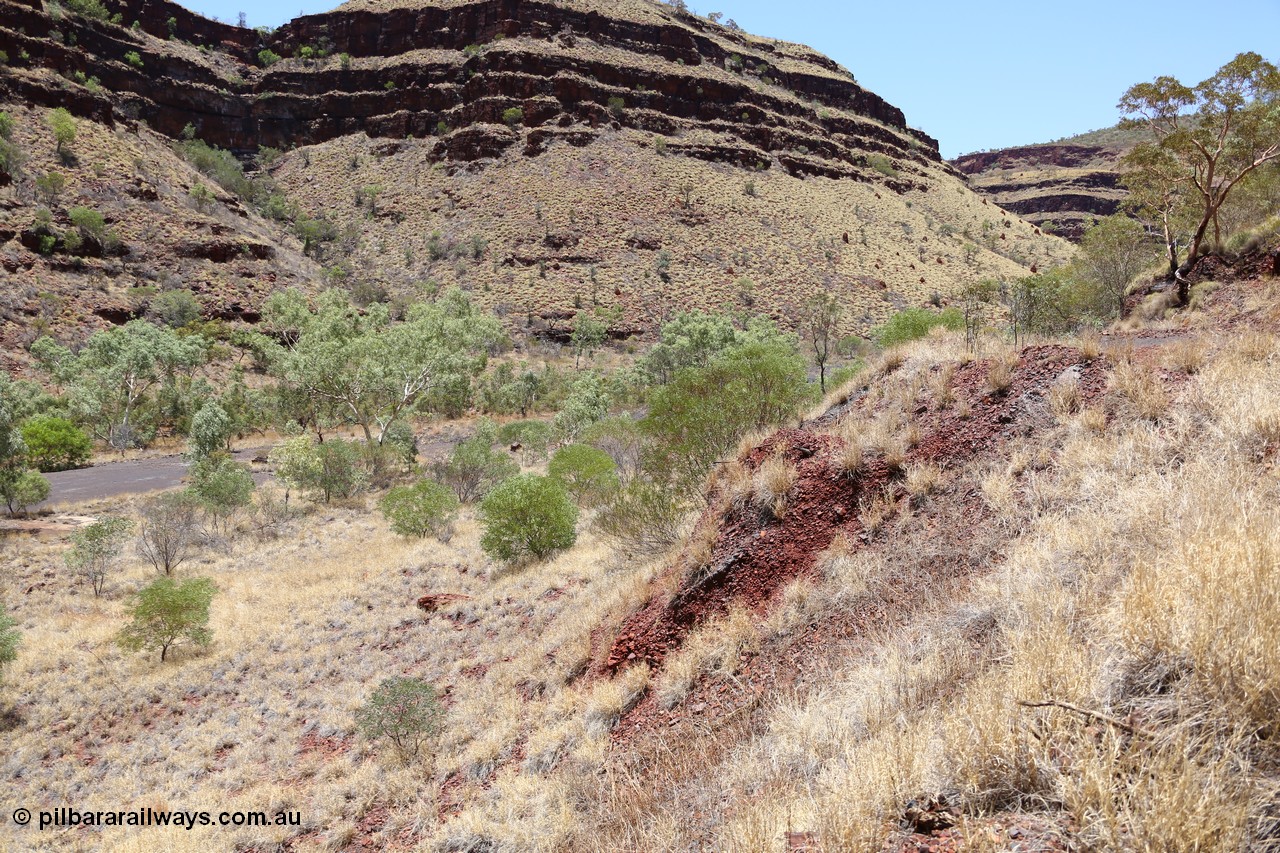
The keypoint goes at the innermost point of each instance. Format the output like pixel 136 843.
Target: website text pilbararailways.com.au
pixel 63 817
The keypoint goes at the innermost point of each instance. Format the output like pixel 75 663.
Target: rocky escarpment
pixel 434 70
pixel 1059 186
pixel 548 157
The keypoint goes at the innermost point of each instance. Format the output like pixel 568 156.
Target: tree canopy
pixel 369 370
pixel 1205 141
pixel 112 378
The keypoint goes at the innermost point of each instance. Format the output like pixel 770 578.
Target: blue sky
pixel 979 74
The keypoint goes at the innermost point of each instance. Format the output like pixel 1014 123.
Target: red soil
pixel 754 556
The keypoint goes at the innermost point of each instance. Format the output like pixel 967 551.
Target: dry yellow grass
pixel 772 481
pixel 1142 592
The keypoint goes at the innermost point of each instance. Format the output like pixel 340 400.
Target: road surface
pixel 124 478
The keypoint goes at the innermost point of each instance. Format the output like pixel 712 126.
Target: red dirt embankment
pixel 755 555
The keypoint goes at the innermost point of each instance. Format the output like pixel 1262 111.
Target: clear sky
pixel 979 75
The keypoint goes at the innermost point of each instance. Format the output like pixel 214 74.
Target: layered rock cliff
pixel 547 156
pixel 1060 186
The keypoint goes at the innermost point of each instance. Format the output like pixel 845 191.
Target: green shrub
pixel 95 549
pixel 534 438
pixel 49 186
pixel 88 8
pixel 586 403
pixel 400 442
pixel 216 163
pixel 340 473
pixel 404 711
pixel 527 516
pixel 643 517
pixel 698 418
pixel 315 233
pixel 587 474
pixel 10 154
pixel 513 116
pixel 620 437
pixel 268 58
pixel 55 444
pixel 202 197
pixel 90 222
pixel 913 323
pixel 175 308
pixel 166 613
pixel 222 487
pixel 418 510
pixel 882 164
pixel 133 58
pixel 475 467
pixel 22 490
pixel 617 106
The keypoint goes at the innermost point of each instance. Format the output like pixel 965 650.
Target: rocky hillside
pixel 1059 185
pixel 547 156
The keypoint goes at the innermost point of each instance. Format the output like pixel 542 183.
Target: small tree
pixel 19 486
pixel 202 197
pixel 533 437
pixel 210 433
pixel 821 319
pixel 527 516
pixel 28 488
pixel 166 613
pixel 588 335
pixel 50 186
pixel 621 438
pixel 169 530
pixel 404 711
pixel 55 444
pixel 643 517
pixel 589 475
pixel 587 402
pixel 64 129
pixel 10 154
pixel 10 639
pixel 175 308
pixel 296 464
pixel 95 549
pixel 402 444
pixel 475 467
pixel 1113 251
pixel 222 487
pixel 912 323
pixel 339 473
pixel 91 224
pixel 422 509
